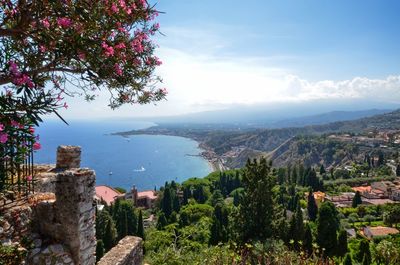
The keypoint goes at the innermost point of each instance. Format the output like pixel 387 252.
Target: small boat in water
pixel 142 169
pixel 110 173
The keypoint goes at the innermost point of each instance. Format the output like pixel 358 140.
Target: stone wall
pixel 61 224
pixel 129 251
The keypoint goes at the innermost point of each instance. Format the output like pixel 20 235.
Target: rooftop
pixel 382 230
pixel 106 193
pixel 147 193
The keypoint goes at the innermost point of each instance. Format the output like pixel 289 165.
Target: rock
pixel 57 249
pixel 37 243
pixel 34 251
pixel 46 251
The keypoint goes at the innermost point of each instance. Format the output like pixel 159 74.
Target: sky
pixel 221 53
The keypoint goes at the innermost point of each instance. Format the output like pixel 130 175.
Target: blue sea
pixel 147 161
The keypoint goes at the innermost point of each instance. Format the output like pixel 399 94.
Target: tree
pixel 308 240
pixel 386 252
pixel 364 253
pixel 109 237
pixel 342 243
pixel 162 221
pixel 140 230
pixel 398 170
pixel 99 249
pixel 392 216
pixel 327 227
pixel 257 209
pixel 296 228
pixel 356 200
pixel 322 170
pixel 347 260
pixel 54 49
pixel 312 208
pixel 166 202
pixel 381 159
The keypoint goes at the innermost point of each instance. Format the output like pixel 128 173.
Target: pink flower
pixel 108 50
pixel 1 127
pixel 118 69
pixel 31 130
pixel 114 8
pixel 15 124
pixel 120 45
pixel 42 48
pixel 28 178
pixel 65 105
pixel 3 138
pixel 13 67
pixel 36 146
pixel 45 22
pixel 82 55
pixel 64 22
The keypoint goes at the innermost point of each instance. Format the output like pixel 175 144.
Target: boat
pixel 142 169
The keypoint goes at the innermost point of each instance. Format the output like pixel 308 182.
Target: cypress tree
pixel 308 240
pixel 236 199
pixel 327 227
pixel 140 230
pixel 297 227
pixel 322 170
pixel 109 236
pixel 162 221
pixel 99 249
pixel 342 243
pixel 356 200
pixel 166 202
pixel 255 219
pixel 364 253
pixel 176 206
pixel 347 260
pixel 312 208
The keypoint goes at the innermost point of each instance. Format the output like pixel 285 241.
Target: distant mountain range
pixel 274 115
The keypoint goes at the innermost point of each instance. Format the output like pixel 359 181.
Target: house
pixel 351 233
pixel 107 194
pixel 345 199
pixel 145 199
pixel 378 231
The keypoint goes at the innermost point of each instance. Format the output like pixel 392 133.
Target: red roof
pixel 147 193
pixel 107 194
pixel 362 189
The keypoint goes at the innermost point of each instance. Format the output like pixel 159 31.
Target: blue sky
pixel 218 53
pixel 317 39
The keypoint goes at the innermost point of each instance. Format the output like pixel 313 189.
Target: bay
pixel 146 161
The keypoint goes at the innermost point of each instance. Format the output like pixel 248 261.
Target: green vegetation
pixel 260 214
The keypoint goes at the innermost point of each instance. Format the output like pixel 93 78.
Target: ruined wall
pixel 61 227
pixel 129 251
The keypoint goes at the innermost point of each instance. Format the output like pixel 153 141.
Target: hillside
pixel 284 144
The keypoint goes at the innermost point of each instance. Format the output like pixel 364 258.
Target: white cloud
pixel 201 76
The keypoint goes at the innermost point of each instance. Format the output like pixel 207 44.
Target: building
pixel 145 199
pixel 107 194
pixel 372 232
pixel 345 199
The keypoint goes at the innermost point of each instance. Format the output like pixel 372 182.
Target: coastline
pixel 206 152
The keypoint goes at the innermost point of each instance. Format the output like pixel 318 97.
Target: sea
pixel 146 161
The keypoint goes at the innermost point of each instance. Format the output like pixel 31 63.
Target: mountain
pixel 283 145
pixel 278 115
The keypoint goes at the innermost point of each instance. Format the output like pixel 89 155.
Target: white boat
pixel 142 169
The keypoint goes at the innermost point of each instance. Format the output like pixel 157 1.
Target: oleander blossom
pixel 36 146
pixel 55 48
pixel 64 22
pixel 3 138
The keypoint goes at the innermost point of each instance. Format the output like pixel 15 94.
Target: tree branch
pixel 45 69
